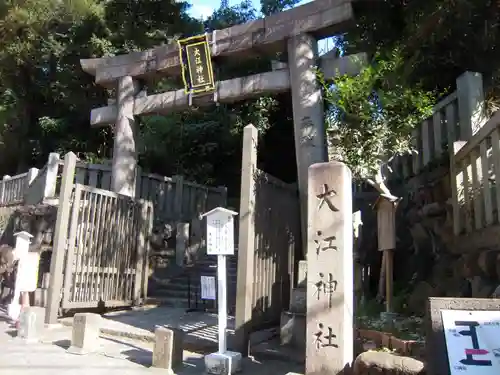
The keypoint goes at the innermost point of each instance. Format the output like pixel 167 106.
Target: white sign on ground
pixel 208 287
pixel 472 341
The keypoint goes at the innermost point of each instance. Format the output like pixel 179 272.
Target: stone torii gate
pixel 294 32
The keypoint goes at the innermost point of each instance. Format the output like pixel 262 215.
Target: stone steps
pixel 184 289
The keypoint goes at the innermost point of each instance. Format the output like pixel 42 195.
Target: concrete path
pixel 116 355
pixel 201 328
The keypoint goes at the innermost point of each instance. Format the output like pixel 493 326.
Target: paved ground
pixel 116 355
pixel 201 328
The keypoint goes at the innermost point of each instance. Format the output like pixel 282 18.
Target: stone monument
pixel 329 330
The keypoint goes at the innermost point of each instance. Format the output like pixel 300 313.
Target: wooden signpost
pixel 220 242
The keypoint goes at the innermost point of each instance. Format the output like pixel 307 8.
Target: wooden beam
pixel 231 90
pixel 321 18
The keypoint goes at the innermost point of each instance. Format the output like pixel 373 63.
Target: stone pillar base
pixel 223 363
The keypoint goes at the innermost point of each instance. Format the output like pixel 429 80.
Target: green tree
pixel 369 117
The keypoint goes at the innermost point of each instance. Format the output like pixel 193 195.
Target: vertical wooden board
pixel 466 170
pixel 145 190
pixel 476 195
pixel 438 138
pixel 73 226
pixel 106 180
pixel 495 153
pixel 416 156
pixel 427 146
pixel 96 241
pixel 101 249
pixel 169 200
pixel 80 175
pixel 161 200
pixel 138 185
pixel 451 123
pixel 87 245
pixel 485 182
pixel 93 177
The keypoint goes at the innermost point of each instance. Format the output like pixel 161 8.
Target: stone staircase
pixel 293 321
pixel 181 286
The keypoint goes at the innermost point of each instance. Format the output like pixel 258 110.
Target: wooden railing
pixel 431 139
pixel 12 188
pixel 174 198
pixel 475 175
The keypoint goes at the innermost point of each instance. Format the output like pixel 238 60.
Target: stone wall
pixel 38 220
pixel 425 262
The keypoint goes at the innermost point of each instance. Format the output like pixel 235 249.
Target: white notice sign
pixel 208 287
pixel 27 272
pixel 472 341
pixel 220 234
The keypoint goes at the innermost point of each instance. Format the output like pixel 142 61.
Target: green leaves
pixel 369 117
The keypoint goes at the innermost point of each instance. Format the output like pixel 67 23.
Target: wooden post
pixel 2 197
pixel 148 229
pixel 471 104
pixel 246 243
pixel 179 189
pixel 358 272
pixel 60 239
pixel 51 175
pixel 181 243
pixel 389 278
pixel 386 222
pixel 32 173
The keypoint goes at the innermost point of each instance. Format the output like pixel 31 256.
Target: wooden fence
pixel 450 122
pixel 475 171
pixel 269 240
pixel 106 259
pixel 101 247
pixel 174 198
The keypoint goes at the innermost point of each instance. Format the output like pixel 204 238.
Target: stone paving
pixel 116 355
pixel 200 327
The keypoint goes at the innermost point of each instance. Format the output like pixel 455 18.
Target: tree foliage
pixel 45 97
pixel 369 117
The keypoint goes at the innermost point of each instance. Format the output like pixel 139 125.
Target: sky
pixel 205 8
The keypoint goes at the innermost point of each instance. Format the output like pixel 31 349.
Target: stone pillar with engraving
pixel 308 114
pixel 329 330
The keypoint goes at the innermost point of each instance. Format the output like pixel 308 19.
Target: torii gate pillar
pixel 124 170
pixel 308 115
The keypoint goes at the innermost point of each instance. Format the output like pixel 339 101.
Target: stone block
pixel 168 348
pixel 387 364
pixel 85 335
pixel 293 330
pixel 298 300
pixel 31 323
pixel 223 363
pixel 302 274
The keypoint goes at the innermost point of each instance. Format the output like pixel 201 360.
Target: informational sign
pixel 220 234
pixel 27 272
pixel 208 288
pixel 197 71
pixel 472 341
